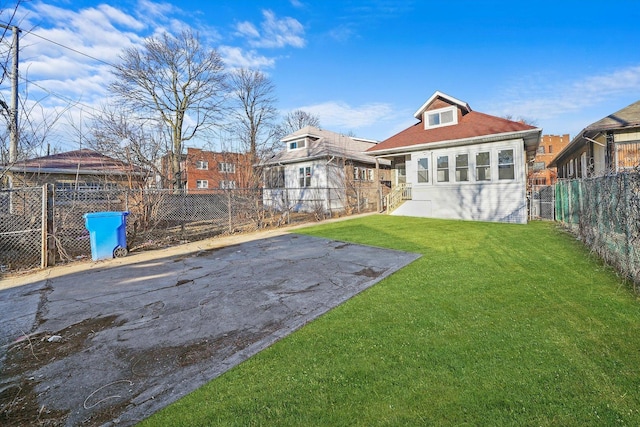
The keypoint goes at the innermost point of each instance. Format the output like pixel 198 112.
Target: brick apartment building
pixel 550 146
pixel 212 170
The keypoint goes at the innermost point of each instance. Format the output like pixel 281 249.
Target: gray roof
pixel 627 117
pixel 324 144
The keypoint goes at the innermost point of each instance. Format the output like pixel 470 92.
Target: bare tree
pixel 253 103
pixel 294 121
pixel 137 142
pixel 177 81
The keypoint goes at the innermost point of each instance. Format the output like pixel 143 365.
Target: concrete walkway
pixel 131 335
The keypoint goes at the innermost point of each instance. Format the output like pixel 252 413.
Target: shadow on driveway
pixel 117 344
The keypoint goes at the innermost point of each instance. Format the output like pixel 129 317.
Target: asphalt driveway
pixel 116 342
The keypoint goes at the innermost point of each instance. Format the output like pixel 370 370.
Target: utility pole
pixel 13 122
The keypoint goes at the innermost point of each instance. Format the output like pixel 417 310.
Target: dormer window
pixel 441 117
pixel 294 145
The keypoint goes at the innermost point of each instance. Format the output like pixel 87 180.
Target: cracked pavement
pixel 139 335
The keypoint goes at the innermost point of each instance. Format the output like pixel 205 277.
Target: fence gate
pixel 21 225
pixel 542 202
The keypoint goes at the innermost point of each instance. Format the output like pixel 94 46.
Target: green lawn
pixel 496 324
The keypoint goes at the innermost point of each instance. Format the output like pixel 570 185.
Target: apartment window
pixel 550 149
pixel 202 165
pixel 226 167
pixel 304 175
pixel 423 170
pixel 483 166
pixel 356 174
pixel 363 174
pixel 294 145
pixel 227 185
pixel 441 118
pixel 462 167
pixel 369 174
pixel 506 167
pixel 274 177
pixel 541 149
pixel 443 168
pixel 202 183
pixel 538 166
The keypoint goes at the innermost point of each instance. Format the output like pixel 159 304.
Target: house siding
pixel 494 200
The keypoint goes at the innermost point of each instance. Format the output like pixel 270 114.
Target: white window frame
pixel 202 183
pixel 512 164
pixel 446 172
pixel 202 165
pixel 428 114
pixel 487 167
pixel 422 171
pixel 226 167
pixel 460 168
pixel 304 176
pixel 297 144
pixel 227 184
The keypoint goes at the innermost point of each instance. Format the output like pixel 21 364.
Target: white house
pixel 459 164
pixel 319 170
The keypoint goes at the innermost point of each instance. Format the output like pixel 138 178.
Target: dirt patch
pixel 18 398
pixel 368 272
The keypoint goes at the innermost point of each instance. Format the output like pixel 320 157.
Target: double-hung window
pixel 443 168
pixel 423 169
pixel 483 166
pixel 226 167
pixel 202 183
pixel 202 165
pixel 462 167
pixel 304 175
pixel 506 167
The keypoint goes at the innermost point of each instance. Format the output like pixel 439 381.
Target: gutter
pixel 456 142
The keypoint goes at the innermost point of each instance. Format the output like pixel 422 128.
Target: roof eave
pixel 529 137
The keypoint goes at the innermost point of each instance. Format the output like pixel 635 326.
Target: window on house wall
pixel 443 168
pixel 227 184
pixel 550 149
pixel 226 167
pixel 370 174
pixel 363 174
pixel 538 166
pixel 304 175
pixel 423 170
pixel 541 149
pixel 402 173
pixel 462 167
pixel 356 173
pixel 483 166
pixel 202 165
pixel 506 167
pixel 274 177
pixel 202 183
pixel 294 145
pixel 441 117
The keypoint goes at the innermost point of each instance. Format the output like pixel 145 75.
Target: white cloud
pixel 235 57
pixel 275 33
pixel 532 97
pixel 338 114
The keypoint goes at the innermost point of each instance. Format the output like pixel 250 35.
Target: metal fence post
pixel 229 211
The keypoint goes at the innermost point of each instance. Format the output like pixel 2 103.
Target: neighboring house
pixel 72 170
pixel 209 170
pixel 319 170
pixel 541 173
pixel 609 145
pixel 461 164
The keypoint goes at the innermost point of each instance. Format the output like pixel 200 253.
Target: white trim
pixel 439 112
pixel 436 94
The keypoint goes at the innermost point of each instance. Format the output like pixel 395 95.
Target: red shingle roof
pixel 471 125
pixel 79 159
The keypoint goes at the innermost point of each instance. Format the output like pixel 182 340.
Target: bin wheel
pixel 120 252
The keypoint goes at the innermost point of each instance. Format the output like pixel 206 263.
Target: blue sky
pixel 361 66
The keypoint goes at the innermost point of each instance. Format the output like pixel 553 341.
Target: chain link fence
pixel 605 214
pixel 20 228
pixel 542 202
pixel 157 218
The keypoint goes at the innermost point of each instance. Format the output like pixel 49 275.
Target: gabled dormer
pixel 441 110
pixel 301 139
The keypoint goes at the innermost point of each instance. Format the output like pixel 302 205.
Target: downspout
pixel 326 174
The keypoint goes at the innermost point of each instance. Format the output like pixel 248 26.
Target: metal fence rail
pixel 46 226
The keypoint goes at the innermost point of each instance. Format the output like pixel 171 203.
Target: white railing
pixel 397 196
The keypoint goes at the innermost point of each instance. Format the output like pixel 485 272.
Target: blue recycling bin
pixel 107 233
